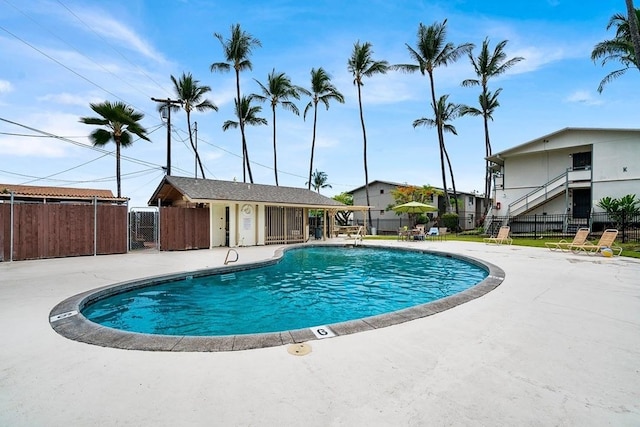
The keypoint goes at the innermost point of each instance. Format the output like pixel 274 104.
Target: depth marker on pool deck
pixel 322 332
pixel 62 316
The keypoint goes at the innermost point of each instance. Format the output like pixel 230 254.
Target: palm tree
pixel 620 48
pixel 433 51
pixel 444 113
pixel 488 65
pixel 190 93
pixel 247 114
pixel 278 90
pixel 121 122
pixel 322 90
pixel 633 27
pixel 319 180
pixel 237 50
pixel 362 65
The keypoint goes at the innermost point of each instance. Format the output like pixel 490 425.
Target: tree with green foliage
pixel 433 51
pixel 412 193
pixel 486 66
pixel 361 65
pixel 190 93
pixel 278 91
pixel 444 112
pixel 619 49
pixel 322 91
pixel 319 180
pixel 121 122
pixel 621 211
pixel 342 217
pixel 248 114
pixel 237 50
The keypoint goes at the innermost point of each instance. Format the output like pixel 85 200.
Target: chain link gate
pixel 143 228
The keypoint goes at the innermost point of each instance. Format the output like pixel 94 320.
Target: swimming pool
pixel 309 287
pixel 283 300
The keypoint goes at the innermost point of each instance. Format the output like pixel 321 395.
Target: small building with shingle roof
pixel 244 214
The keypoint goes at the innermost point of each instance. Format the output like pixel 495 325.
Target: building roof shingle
pixel 215 190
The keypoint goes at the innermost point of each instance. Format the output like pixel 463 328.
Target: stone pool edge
pixel 67 320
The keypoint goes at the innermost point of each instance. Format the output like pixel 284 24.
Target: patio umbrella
pixel 414 208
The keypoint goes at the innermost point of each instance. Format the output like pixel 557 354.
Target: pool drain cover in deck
pixel 301 349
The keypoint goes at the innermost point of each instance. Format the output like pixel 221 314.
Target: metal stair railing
pixel 542 193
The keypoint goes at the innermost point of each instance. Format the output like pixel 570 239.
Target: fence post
pixel 624 227
pixel 95 226
pixel 11 230
pixel 158 228
pixel 128 225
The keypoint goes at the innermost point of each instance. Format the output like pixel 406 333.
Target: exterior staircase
pixel 555 187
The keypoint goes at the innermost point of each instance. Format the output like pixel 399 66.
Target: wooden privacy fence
pixel 184 228
pixel 51 230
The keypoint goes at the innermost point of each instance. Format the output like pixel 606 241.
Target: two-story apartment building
pixel 388 221
pixel 566 172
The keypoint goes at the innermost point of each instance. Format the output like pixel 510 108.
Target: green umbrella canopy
pixel 414 207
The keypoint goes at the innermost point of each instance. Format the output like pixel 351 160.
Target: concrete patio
pixel 557 343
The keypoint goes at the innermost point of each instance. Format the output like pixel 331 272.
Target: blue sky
pixel 58 56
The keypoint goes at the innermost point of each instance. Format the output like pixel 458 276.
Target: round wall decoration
pixel 247 209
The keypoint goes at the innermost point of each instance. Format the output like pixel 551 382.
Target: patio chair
pixel 563 245
pixel 502 237
pixel 442 232
pixel 607 241
pixel 433 233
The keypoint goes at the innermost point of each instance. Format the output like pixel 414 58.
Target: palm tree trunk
pixel 487 177
pixel 440 142
pixel 118 165
pixel 364 136
pixel 633 29
pixel 193 145
pixel 275 152
pixel 453 181
pixel 313 141
pixel 241 123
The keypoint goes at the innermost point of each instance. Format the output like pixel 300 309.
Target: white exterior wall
pixel 246 224
pixel 615 166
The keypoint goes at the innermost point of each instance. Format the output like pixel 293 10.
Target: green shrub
pixel 450 220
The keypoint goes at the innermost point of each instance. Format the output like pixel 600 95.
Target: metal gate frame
pixel 144 228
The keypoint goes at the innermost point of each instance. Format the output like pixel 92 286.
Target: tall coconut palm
pixel 619 49
pixel 121 122
pixel 190 93
pixel 319 180
pixel 237 50
pixel 444 112
pixel 361 65
pixel 633 19
pixel 488 65
pixel 432 51
pixel 278 90
pixel 322 91
pixel 248 114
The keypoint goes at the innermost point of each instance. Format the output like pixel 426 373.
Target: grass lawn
pixel 631 249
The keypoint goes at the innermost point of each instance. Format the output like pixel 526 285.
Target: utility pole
pixel 167 104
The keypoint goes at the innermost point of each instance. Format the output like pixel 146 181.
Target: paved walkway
pixel 558 343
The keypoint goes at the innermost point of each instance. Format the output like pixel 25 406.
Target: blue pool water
pixel 309 287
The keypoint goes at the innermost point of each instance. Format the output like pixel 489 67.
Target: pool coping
pixel 67 320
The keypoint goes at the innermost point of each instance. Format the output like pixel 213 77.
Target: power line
pixel 61 64
pixel 90 147
pixel 72 47
pixel 111 46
